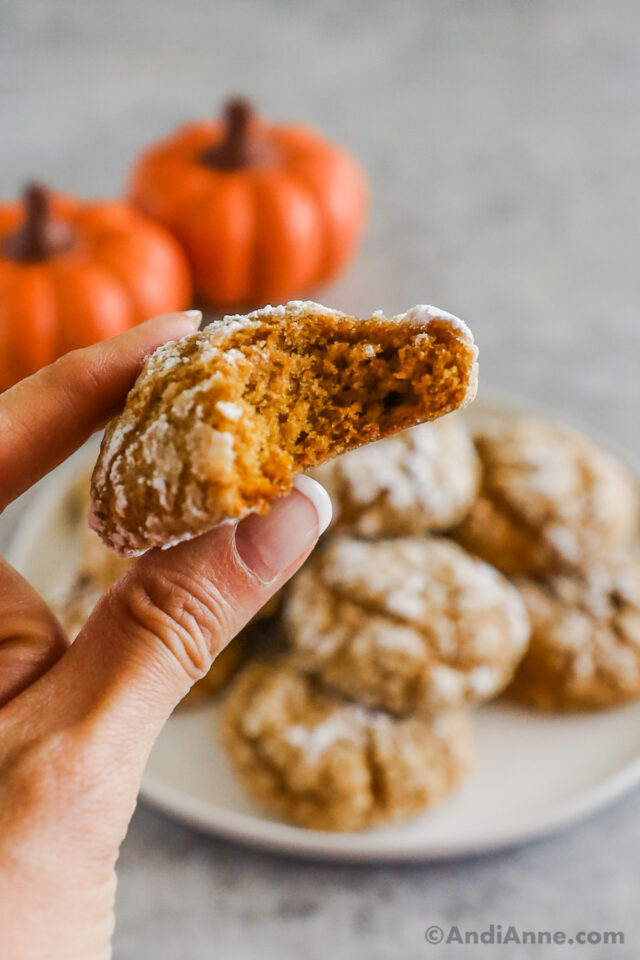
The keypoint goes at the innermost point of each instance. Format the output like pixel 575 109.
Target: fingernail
pixel 268 545
pixel 319 497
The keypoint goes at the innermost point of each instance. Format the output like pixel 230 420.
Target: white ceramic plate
pixel 533 774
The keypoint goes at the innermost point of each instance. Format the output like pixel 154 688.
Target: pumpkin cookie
pixel 102 567
pixel 550 499
pixel 74 608
pixel 407 624
pixel 220 673
pixel 585 639
pixel 98 566
pixel 322 762
pixel 421 479
pixel 219 423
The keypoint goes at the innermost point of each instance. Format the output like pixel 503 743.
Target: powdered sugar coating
pixel 406 624
pixel 421 313
pixel 349 724
pixel 585 641
pixel 229 410
pixel 425 478
pixel 290 310
pixel 326 763
pixel 426 312
pixel 550 498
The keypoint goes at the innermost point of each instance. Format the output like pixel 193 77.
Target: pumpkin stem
pixel 40 236
pixel 239 146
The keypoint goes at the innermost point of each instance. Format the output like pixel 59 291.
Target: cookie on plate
pixel 412 624
pixel 76 604
pixel 220 673
pixel 425 478
pixel 323 762
pixel 550 499
pixel 219 423
pixel 585 638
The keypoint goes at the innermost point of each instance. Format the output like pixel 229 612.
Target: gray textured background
pixel 503 144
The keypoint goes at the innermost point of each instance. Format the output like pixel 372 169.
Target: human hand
pixel 77 722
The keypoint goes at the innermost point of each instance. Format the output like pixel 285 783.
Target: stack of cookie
pixel 394 632
pixel 559 515
pixel 455 569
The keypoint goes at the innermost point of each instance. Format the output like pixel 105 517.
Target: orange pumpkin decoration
pixel 72 273
pixel 264 212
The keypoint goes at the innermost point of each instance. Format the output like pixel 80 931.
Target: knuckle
pixel 73 376
pixel 188 616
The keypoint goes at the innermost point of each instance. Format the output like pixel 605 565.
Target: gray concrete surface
pixel 503 144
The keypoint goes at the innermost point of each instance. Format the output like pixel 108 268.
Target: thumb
pixel 160 626
pixel 75 742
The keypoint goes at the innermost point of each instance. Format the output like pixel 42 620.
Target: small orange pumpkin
pixel 73 272
pixel 264 212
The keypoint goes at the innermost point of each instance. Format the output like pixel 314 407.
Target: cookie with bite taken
pixel 219 423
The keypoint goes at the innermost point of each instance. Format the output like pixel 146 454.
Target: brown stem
pixel 40 236
pixel 239 146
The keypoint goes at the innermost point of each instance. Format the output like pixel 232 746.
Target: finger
pixel 47 416
pixel 159 628
pixel 31 639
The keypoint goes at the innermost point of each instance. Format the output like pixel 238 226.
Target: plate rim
pixel 259 832
pixel 252 830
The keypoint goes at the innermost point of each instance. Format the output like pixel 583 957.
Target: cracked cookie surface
pixel 425 478
pixel 585 639
pixel 219 423
pixel 322 762
pixel 550 499
pixel 95 563
pixel 406 625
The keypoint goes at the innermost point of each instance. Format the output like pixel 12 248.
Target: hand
pixel 77 722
